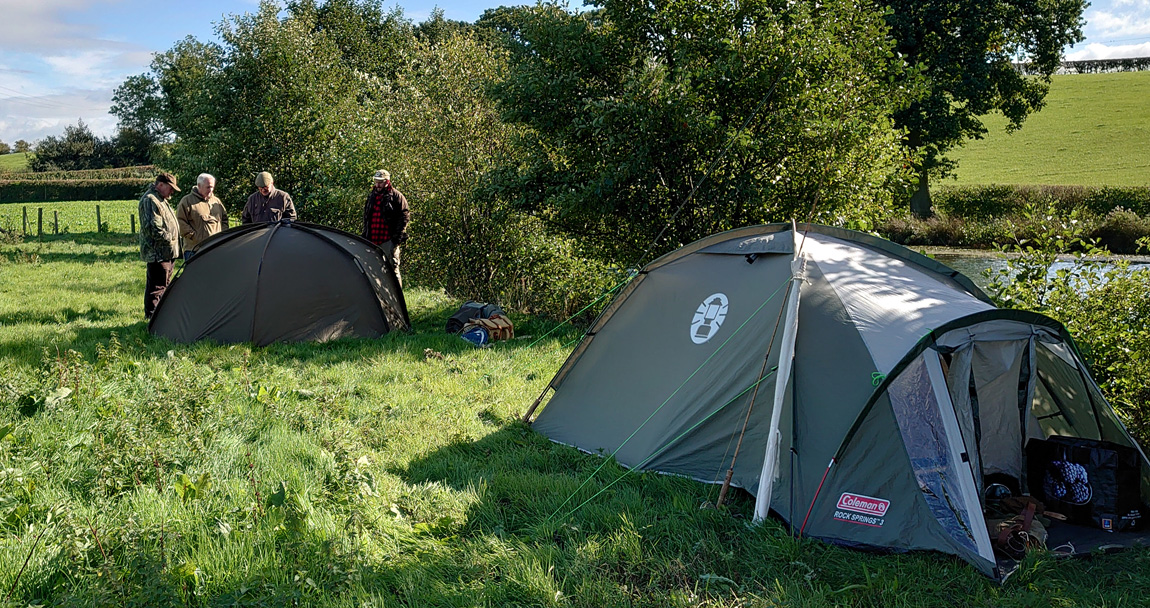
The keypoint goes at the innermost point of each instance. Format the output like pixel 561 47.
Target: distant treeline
pixel 140 171
pixel 86 185
pixel 1096 66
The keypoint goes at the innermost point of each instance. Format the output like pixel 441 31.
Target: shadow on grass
pixel 427 333
pixel 66 315
pixel 530 481
pixel 92 258
pixel 87 238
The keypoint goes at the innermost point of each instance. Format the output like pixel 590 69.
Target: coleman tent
pixel 282 282
pixel 876 396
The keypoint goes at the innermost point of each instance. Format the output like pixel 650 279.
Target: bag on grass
pixel 470 310
pixel 498 326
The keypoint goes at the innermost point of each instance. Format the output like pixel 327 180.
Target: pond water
pixel 974 264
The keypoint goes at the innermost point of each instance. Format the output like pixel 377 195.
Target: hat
pixel 382 175
pixel 263 179
pixel 168 179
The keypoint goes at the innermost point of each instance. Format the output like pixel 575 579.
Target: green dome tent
pixel 282 282
pixel 875 393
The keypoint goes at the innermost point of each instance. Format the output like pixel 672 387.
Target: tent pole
pixel 531 410
pixel 766 359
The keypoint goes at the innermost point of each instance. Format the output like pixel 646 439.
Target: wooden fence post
pixel 133 223
pixel 55 222
pixel 25 220
pixel 39 221
pixel 97 218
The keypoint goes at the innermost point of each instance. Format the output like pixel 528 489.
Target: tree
pixel 966 51
pixel 77 149
pixel 296 95
pixel 5 148
pixel 755 112
pixel 22 146
pixel 446 136
pixel 138 106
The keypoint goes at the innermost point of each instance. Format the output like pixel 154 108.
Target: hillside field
pixel 17 161
pixel 1094 131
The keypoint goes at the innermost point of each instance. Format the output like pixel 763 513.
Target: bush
pixel 988 202
pixel 981 202
pixel 32 191
pixel 1121 230
pixel 1104 200
pixel 1104 305
pixel 138 172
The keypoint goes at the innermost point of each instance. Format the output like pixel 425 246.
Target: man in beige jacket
pixel 200 214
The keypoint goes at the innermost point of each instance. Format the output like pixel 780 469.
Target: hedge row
pixel 1096 66
pixel 24 191
pixel 990 202
pixel 139 172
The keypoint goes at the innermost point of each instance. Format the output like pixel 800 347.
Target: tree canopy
pixel 736 113
pixel 966 50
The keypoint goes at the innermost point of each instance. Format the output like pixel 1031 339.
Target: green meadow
pixel 389 472
pixel 1094 131
pixel 17 161
pixel 73 216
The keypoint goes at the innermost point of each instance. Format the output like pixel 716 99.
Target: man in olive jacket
pixel 200 214
pixel 267 204
pixel 385 218
pixel 159 239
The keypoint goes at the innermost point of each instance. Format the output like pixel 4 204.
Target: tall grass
pixel 390 472
pixel 1093 132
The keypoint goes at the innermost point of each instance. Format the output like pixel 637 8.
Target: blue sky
pixel 60 60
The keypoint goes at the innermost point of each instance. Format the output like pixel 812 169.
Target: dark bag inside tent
pixel 282 282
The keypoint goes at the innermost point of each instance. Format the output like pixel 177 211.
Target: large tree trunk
pixel 920 201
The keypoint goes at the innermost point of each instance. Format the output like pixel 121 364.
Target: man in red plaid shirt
pixel 385 218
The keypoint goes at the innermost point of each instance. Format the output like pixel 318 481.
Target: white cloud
pixel 39 25
pixel 1111 25
pixel 1103 51
pixel 33 117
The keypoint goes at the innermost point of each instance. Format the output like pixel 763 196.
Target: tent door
pixel 958 451
pixel 938 455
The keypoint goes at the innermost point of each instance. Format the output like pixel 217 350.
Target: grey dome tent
pixel 282 282
pixel 884 390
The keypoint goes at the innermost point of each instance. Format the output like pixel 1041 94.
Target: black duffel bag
pixel 471 310
pixel 1093 483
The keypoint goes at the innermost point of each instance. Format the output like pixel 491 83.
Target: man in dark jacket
pixel 267 204
pixel 385 218
pixel 159 239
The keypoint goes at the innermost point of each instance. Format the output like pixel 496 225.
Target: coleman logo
pixel 708 317
pixel 863 504
pixel 863 510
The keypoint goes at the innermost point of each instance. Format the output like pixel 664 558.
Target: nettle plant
pixel 1104 303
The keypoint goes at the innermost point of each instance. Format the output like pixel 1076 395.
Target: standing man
pixel 385 218
pixel 267 204
pixel 159 239
pixel 200 214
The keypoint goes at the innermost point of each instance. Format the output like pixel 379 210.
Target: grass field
pixel 14 162
pixel 390 472
pixel 75 216
pixel 1094 131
